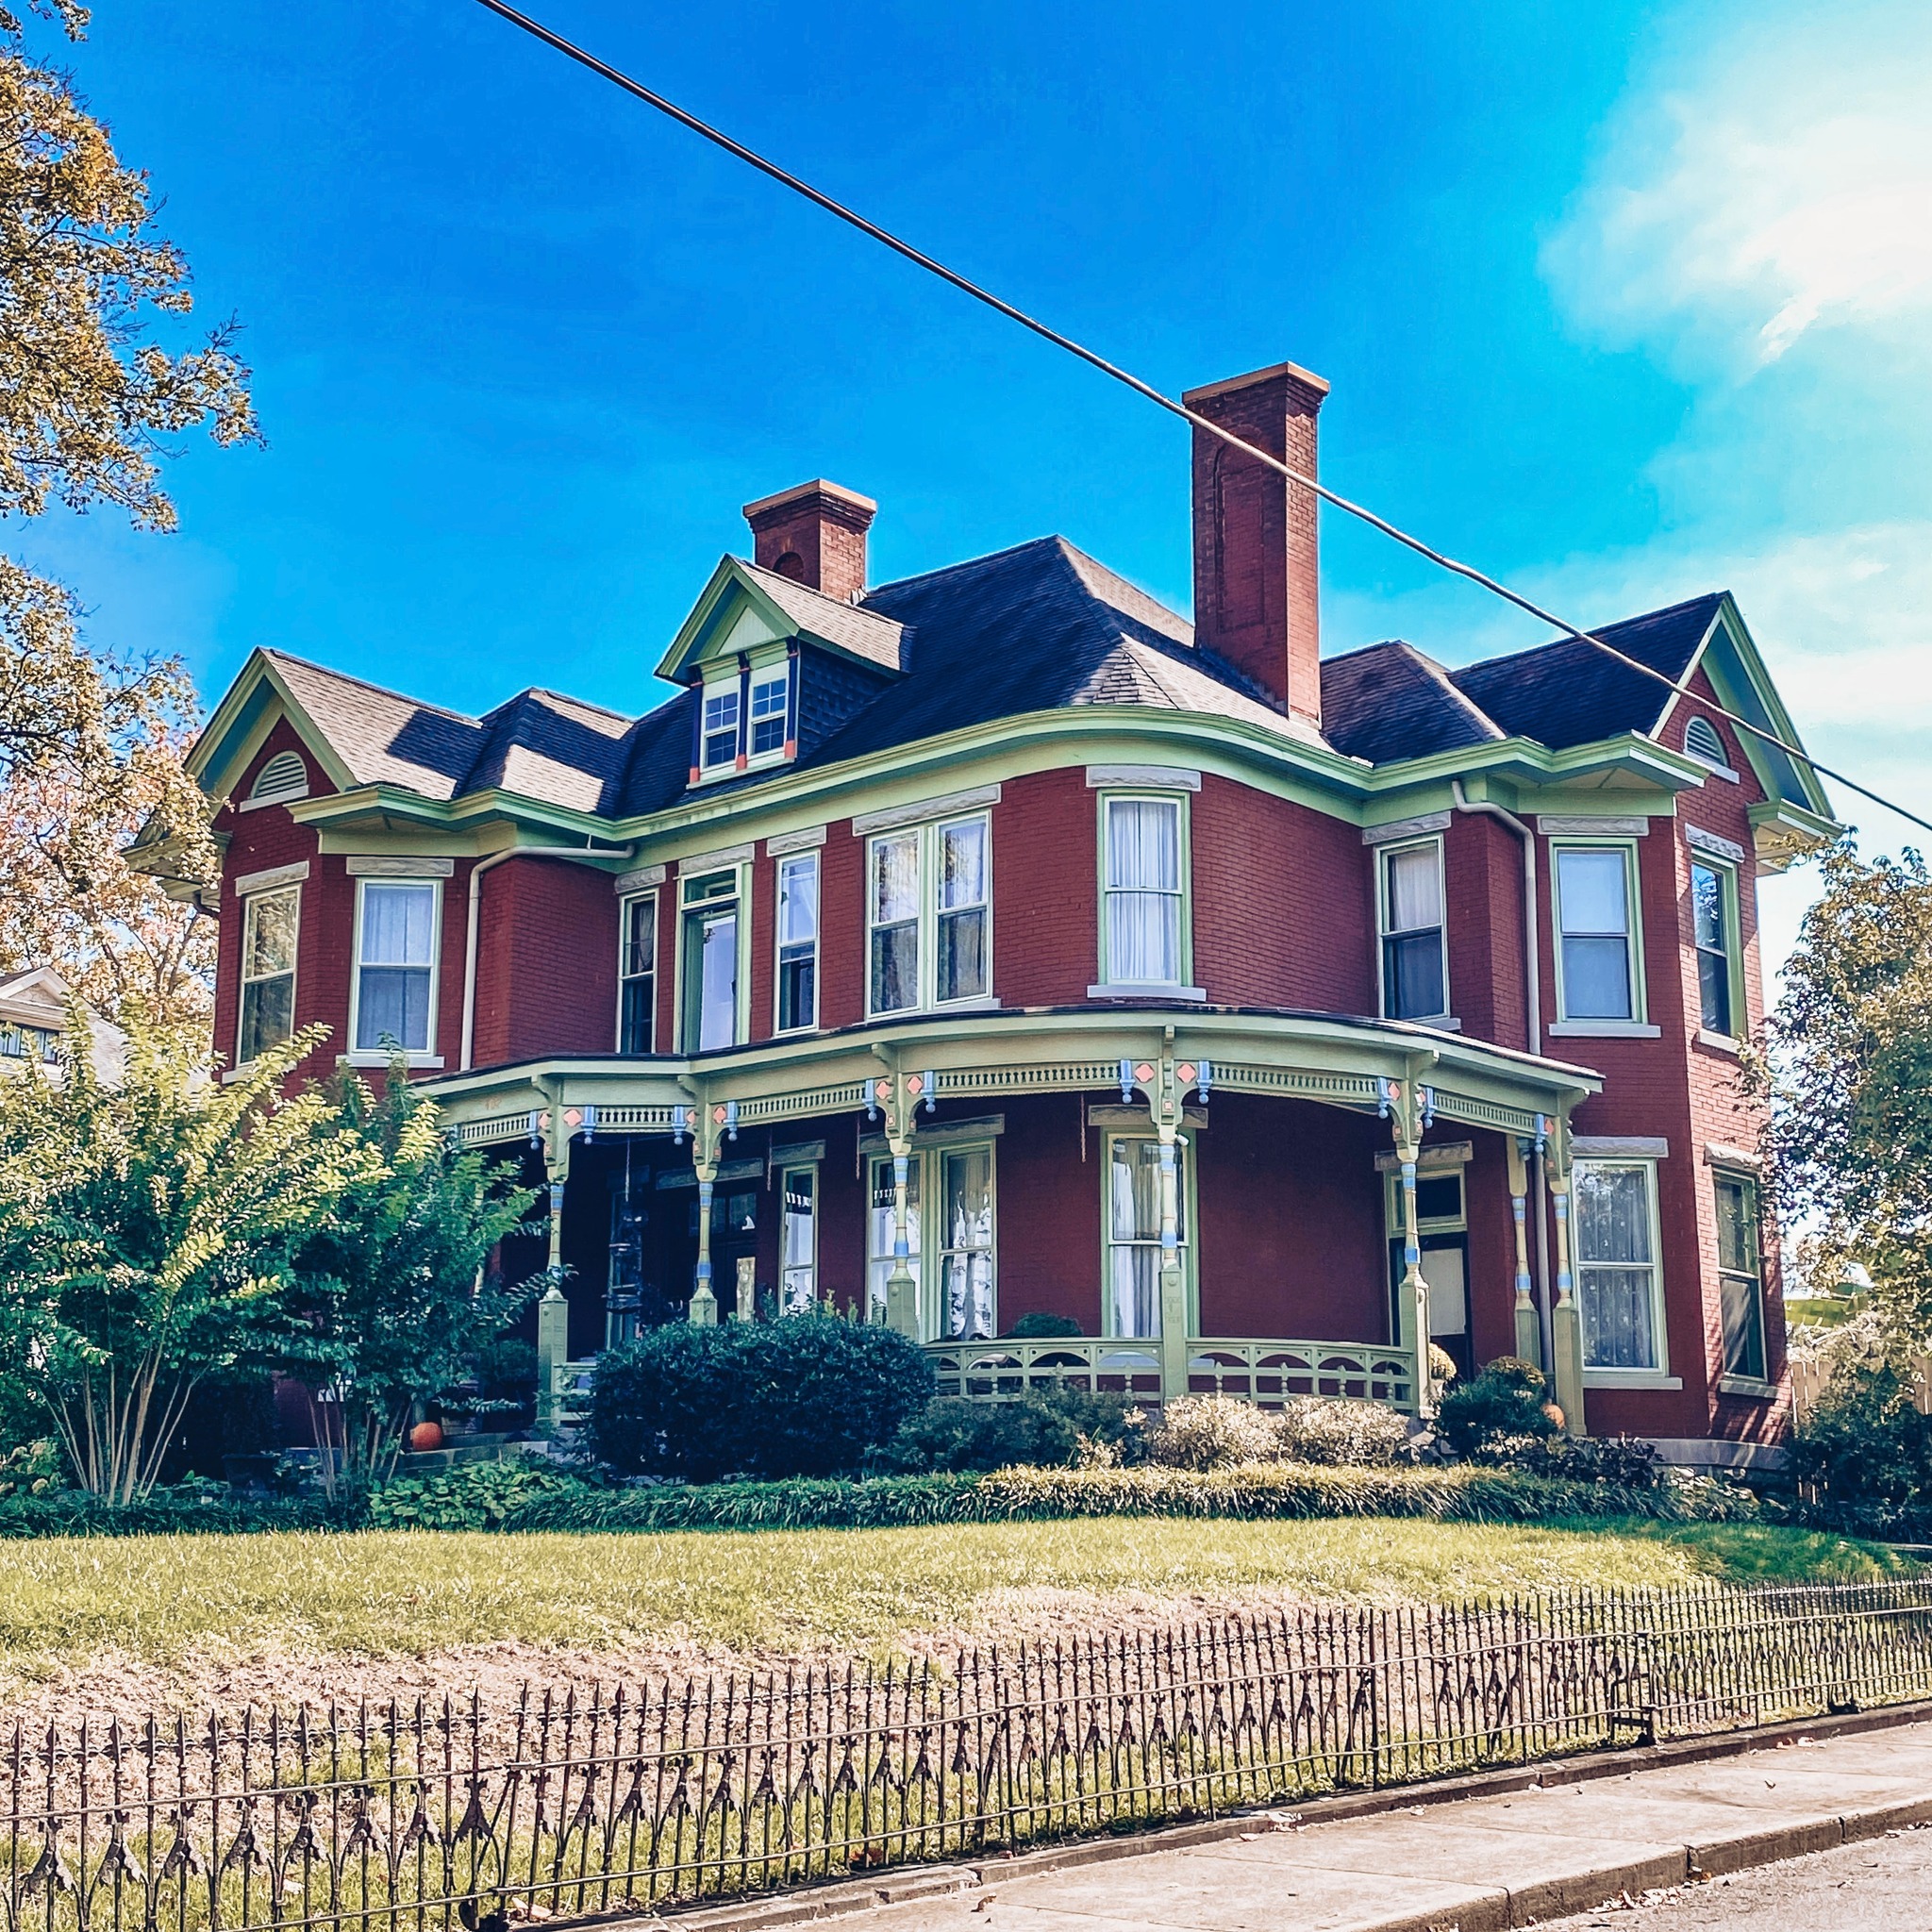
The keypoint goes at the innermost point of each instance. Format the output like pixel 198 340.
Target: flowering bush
pixel 1213 1432
pixel 1355 1434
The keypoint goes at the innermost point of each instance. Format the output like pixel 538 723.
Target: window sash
pixel 720 727
pixel 878 1230
pixel 930 916
pixel 1741 1277
pixel 1615 1229
pixel 768 708
pixel 1710 914
pixel 798 943
pixel 1131 1228
pixel 394 983
pixel 967 1244
pixel 709 992
pixel 798 1241
pixel 1144 890
pixel 637 1008
pixel 1596 931
pixel 270 933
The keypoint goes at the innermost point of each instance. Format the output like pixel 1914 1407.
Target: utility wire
pixel 1678 686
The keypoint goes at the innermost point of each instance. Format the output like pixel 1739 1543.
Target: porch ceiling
pixel 1329 1059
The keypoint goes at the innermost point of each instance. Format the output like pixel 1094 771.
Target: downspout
pixel 1531 963
pixel 1532 972
pixel 582 854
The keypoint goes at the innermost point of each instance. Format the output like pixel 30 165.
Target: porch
pixel 1165 1189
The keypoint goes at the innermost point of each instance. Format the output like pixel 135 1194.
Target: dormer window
pixel 768 696
pixel 721 727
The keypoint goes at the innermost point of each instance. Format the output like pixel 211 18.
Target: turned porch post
pixel 899 1094
pixel 710 1120
pixel 1409 1106
pixel 553 1310
pixel 1166 1082
pixel 1529 1339
pixel 1566 1318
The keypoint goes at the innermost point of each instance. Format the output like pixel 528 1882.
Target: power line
pixel 1679 687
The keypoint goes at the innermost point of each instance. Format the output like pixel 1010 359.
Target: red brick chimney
pixel 1255 579
pixel 815 533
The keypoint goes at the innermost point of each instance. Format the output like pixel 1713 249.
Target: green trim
pixel 690 909
pixel 1183 800
pixel 1383 854
pixel 711 630
pixel 1730 889
pixel 926 834
pixel 1188 1192
pixel 1633 905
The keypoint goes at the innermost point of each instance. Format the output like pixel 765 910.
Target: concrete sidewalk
pixel 1510 1859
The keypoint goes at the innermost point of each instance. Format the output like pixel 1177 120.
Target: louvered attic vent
pixel 1702 741
pixel 284 777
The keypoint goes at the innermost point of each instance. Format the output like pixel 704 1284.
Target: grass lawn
pixel 163 1600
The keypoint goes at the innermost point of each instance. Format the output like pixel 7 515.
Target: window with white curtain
pixel 1144 923
pixel 930 916
pixel 798 1240
pixel 966 1245
pixel 1597 960
pixel 1618 1280
pixel 1415 978
pixel 1132 1212
pixel 395 982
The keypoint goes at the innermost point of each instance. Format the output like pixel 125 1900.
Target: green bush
pixel 1506 1400
pixel 1200 1432
pixel 195 1506
pixel 472 1495
pixel 1323 1429
pixel 1040 1325
pixel 808 1397
pixel 1058 1428
pixel 1869 1453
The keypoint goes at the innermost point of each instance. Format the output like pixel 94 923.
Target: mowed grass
pixel 414 1593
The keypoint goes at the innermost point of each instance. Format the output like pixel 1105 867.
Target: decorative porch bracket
pixel 1410 1107
pixel 1166 1081
pixel 1566 1323
pixel 897 1096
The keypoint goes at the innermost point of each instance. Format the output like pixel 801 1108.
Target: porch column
pixel 1173 1281
pixel 553 1310
pixel 1529 1338
pixel 707 1120
pixel 1408 1104
pixel 899 1094
pixel 1566 1318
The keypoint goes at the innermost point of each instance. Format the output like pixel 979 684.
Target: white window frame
pixel 623 911
pixel 742 687
pixel 797 861
pixel 1739 1381
pixel 427 1055
pixel 688 876
pixel 929 835
pixel 810 1170
pixel 937 1245
pixel 1384 856
pixel 1658 1375
pixel 1589 1025
pixel 925 1234
pixel 1728 887
pixel 1180 800
pixel 762 677
pixel 243 982
pixel 711 693
pixel 1186 1200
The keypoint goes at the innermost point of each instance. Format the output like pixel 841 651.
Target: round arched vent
pixel 284 777
pixel 1702 741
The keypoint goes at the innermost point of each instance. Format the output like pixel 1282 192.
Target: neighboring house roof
pixel 37 997
pixel 1037 628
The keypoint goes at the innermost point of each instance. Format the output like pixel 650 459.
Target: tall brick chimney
pixel 815 533
pixel 1255 579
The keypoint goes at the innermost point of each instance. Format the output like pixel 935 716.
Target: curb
pixel 1491 1912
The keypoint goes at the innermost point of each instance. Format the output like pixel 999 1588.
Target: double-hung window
pixel 768 691
pixel 721 725
pixel 1713 914
pixel 966 1249
pixel 1415 976
pixel 798 1240
pixel 271 923
pixel 1144 927
pixel 1740 1275
pixel 637 974
pixel 710 965
pixel 1617 1274
pixel 798 942
pixel 395 980
pixel 930 916
pixel 1597 953
pixel 1131 1218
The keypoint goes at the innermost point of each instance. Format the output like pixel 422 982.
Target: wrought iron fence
pixel 571 1806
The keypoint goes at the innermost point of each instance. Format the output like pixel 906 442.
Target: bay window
pixel 1597 975
pixel 1415 978
pixel 1131 1217
pixel 1741 1277
pixel 270 923
pixel 1144 927
pixel 395 981
pixel 1618 1281
pixel 637 974
pixel 1713 903
pixel 798 942
pixel 930 916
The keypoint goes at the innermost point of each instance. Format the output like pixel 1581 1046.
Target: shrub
pixel 808 1395
pixel 1041 1326
pixel 1059 1428
pixel 1506 1400
pixel 472 1495
pixel 1347 1433
pixel 1212 1432
pixel 1868 1452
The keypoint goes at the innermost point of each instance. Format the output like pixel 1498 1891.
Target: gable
pixel 746 609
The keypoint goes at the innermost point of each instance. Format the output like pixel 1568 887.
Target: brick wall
pixel 546 981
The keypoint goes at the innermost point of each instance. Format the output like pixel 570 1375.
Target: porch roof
pixel 1335 1059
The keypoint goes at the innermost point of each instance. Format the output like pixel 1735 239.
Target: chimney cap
pixel 1293 370
pixel 819 487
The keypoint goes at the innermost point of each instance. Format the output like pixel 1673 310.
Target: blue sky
pixel 1622 302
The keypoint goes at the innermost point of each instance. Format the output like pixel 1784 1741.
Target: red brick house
pixel 998 944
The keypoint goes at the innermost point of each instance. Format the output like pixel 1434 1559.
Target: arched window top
pixel 284 777
pixel 1702 741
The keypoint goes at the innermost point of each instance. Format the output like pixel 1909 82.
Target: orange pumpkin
pixel 427 1436
pixel 1555 1414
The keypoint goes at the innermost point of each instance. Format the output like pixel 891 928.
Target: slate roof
pixel 1037 628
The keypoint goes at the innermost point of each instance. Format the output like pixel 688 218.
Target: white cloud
pixel 1787 188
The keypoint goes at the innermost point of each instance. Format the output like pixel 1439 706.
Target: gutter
pixel 583 855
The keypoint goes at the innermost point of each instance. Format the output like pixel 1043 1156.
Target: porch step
pixel 460 1450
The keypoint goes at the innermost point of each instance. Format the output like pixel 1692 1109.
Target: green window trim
pixel 933 928
pixel 636 977
pixel 429 967
pixel 797 956
pixel 1633 934
pixel 1398 946
pixel 1739 1209
pixel 701 897
pixel 1188 1202
pixel 1718 949
pixel 1617 1281
pixel 256 1031
pixel 928 1237
pixel 1181 803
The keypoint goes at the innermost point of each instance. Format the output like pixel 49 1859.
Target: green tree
pixel 148 1234
pixel 1847 1071
pixel 397 1296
